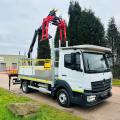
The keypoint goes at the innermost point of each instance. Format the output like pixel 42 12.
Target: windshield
pixel 95 62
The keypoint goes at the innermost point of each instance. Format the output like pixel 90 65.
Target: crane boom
pixel 42 32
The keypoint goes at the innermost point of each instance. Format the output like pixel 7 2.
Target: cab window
pixel 72 61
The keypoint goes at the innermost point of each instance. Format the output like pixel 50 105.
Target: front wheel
pixel 63 98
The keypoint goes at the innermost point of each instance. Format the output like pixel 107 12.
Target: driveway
pixel 108 110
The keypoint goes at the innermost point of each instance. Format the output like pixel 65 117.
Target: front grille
pixel 100 86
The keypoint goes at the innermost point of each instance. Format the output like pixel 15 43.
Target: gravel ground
pixel 108 110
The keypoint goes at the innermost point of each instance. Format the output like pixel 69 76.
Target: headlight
pixel 91 98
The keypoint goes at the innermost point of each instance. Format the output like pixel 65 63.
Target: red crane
pixel 42 32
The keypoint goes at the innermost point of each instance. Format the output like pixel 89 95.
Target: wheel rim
pixel 63 98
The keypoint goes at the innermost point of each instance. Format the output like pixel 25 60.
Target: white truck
pixel 82 76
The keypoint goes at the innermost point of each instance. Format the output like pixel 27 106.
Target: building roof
pixel 12 55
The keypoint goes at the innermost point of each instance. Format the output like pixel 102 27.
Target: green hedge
pixel 116 82
pixel 116 71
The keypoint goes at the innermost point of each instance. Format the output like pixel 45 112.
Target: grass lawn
pixel 45 113
pixel 116 82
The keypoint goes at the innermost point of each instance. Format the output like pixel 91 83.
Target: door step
pixel 44 90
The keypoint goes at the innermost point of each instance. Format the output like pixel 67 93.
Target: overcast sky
pixel 19 19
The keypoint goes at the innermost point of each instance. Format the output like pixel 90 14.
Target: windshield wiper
pixel 107 70
pixel 98 71
pixel 93 71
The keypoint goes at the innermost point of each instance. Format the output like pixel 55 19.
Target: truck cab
pixel 86 70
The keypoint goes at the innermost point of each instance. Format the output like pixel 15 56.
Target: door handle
pixel 64 75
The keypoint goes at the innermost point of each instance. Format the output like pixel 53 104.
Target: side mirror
pixel 75 62
pixel 109 55
pixel 73 58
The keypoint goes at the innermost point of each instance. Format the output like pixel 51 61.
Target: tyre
pixel 63 98
pixel 25 87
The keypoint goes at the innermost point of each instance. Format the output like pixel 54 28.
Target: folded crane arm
pixel 42 32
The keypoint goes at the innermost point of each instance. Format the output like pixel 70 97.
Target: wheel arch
pixel 61 84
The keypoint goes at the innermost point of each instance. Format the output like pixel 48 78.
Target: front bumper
pixel 81 99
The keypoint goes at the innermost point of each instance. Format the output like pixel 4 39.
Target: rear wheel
pixel 25 87
pixel 63 98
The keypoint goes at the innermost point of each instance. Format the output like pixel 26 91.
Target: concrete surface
pixel 108 110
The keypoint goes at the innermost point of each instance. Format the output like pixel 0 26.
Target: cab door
pixel 72 70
